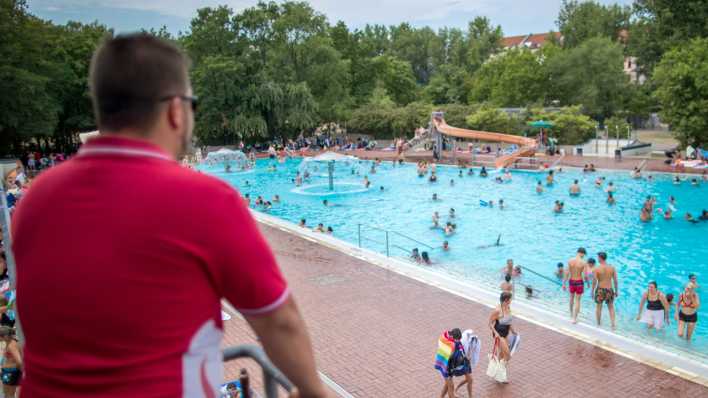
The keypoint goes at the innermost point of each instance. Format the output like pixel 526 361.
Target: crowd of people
pixel 16 183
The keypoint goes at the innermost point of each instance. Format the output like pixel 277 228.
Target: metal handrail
pixel 540 275
pixel 387 243
pixel 272 377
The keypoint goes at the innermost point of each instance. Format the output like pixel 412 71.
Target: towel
pixel 514 340
pixel 446 346
pixel 472 346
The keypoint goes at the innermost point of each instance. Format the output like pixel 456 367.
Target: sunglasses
pixel 194 100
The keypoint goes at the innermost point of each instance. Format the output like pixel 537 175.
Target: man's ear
pixel 175 113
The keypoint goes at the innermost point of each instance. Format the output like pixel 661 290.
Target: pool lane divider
pixel 690 369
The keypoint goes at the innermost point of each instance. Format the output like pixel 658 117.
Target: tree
pixel 211 33
pixel 397 77
pixel 580 21
pixel 682 91
pixel 570 125
pixel 663 24
pixel 492 119
pixel 515 78
pixel 483 41
pixel 449 84
pixel 591 75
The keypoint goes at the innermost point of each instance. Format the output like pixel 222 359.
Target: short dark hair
pixel 455 333
pixel 507 277
pixel 504 297
pixel 582 250
pixel 602 255
pixel 130 75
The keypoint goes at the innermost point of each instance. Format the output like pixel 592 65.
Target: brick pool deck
pixel 375 334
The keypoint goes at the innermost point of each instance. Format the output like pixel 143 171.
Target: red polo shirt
pixel 122 259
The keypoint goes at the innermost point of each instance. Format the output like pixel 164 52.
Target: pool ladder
pixel 388 241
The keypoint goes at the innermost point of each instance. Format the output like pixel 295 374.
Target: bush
pixel 570 125
pixel 494 120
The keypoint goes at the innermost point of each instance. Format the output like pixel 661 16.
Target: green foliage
pixel 397 77
pixel 492 119
pixel 516 78
pixel 450 84
pixel 580 21
pixel 570 125
pixel 617 126
pixel 389 122
pixel 682 91
pixel 592 75
pixel 663 24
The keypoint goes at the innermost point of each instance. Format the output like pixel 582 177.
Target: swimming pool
pixel 531 233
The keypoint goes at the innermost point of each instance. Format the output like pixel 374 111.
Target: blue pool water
pixel 531 234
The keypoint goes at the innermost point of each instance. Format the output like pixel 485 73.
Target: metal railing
pixel 272 377
pixel 388 239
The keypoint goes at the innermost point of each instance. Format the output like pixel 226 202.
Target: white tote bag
pixel 493 361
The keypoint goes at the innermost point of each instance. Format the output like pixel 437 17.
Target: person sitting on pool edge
pixel 575 189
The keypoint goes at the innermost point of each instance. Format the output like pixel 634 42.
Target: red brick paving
pixel 375 334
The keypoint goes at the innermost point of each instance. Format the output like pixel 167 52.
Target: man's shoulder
pixel 193 179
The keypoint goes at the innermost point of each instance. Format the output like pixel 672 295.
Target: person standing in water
pixel 602 287
pixel 549 178
pixel 687 311
pixel 574 278
pixel 657 311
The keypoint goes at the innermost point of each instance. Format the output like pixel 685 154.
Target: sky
pixel 516 17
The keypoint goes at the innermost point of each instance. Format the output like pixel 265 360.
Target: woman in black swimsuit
pixel 687 311
pixel 500 324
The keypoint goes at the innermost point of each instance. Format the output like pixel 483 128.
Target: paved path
pixel 375 334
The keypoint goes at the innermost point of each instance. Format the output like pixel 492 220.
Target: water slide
pixel 527 146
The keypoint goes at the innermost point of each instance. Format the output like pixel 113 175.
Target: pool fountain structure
pixel 230 159
pixel 332 173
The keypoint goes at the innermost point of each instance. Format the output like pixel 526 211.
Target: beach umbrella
pixel 541 124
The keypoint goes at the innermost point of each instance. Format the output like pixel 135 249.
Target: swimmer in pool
pixel 452 183
pixel 558 207
pixel 483 172
pixel 449 229
pixel 688 217
pixel 549 178
pixel 435 197
pixel 452 213
pixel 560 272
pixel 433 177
pixel 668 214
pixel 276 199
pixel 672 202
pixel 491 203
pixel 507 286
pixel 302 223
pixel 381 188
pixel 330 231
pixel 592 167
pixel 539 187
pixel 436 220
pixel 636 174
pixel 611 187
pixel 575 189
pixel 508 268
pixel 507 176
pixel 460 174
pixel 649 203
pixel 415 256
pixel 646 215
pixel 610 198
pixel 298 180
pixel 677 180
pixel 498 179
pixel 694 182
pixel 599 181
pixel 470 172
pixel 319 228
pixel 704 215
pixel 247 199
pixel 501 204
pixel 425 259
pixel 367 183
pixel 446 246
pixel 517 272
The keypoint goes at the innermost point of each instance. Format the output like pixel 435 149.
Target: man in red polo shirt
pixel 123 256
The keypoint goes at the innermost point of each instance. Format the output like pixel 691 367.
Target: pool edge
pixel 688 369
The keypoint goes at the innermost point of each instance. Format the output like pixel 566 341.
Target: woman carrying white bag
pixel 506 339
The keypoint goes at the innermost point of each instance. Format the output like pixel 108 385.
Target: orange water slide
pixel 527 146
